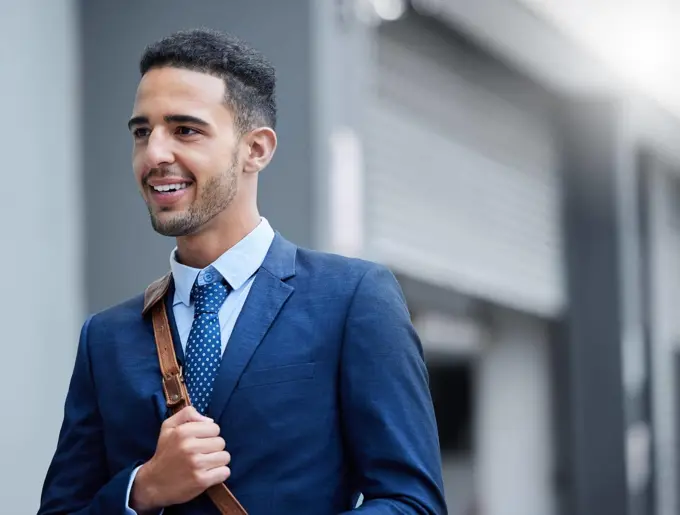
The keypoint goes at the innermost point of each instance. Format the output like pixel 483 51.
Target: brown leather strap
pixel 176 394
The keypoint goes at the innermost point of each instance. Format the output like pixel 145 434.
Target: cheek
pixel 200 164
pixel 138 165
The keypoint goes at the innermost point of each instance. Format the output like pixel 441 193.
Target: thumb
pixel 188 414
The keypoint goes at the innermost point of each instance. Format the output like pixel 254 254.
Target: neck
pixel 202 248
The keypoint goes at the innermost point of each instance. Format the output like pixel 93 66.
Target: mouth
pixel 167 188
pixel 169 193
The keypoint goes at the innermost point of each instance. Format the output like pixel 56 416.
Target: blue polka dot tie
pixel 204 347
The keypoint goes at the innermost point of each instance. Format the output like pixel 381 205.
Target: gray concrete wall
pixel 41 306
pixel 590 354
pixel 513 431
pixel 123 252
pixel 664 246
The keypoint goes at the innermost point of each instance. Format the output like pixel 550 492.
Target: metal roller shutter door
pixel 461 185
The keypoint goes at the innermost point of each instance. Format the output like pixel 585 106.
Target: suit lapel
pixel 267 296
pixel 169 300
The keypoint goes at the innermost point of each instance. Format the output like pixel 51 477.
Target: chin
pixel 174 225
pixel 168 230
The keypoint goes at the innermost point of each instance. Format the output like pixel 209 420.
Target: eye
pixel 141 133
pixel 186 131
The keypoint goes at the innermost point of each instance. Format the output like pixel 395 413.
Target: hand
pixel 189 459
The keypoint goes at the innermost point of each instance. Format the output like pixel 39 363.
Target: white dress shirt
pixel 238 266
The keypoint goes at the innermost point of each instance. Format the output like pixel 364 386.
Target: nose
pixel 158 150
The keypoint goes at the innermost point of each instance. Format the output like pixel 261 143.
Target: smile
pixel 170 187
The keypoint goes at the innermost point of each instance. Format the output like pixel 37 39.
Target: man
pixel 306 377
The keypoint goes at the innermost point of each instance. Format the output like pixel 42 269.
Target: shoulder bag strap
pixel 176 394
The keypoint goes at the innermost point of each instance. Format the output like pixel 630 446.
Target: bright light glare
pixel 639 45
pixel 389 10
pixel 637 39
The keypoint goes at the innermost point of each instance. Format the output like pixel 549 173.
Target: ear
pixel 261 145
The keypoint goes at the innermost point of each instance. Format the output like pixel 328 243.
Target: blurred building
pixel 504 161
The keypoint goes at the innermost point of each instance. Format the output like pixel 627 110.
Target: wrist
pixel 143 498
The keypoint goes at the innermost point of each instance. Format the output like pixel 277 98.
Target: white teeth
pixel 170 187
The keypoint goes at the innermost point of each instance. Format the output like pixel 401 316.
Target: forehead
pixel 170 88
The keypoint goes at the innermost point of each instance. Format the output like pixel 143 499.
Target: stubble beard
pixel 215 196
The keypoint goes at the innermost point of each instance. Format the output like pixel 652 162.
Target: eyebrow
pixel 171 118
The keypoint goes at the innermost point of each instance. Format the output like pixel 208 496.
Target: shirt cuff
pixel 128 510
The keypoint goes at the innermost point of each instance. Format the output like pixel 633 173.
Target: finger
pixel 208 445
pixel 198 430
pixel 215 476
pixel 188 414
pixel 214 460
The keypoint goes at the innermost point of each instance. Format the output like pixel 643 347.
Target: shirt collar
pixel 236 265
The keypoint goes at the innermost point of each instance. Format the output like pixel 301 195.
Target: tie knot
pixel 208 298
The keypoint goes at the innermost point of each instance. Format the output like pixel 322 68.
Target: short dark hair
pixel 249 77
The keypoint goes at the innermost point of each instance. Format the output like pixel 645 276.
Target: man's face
pixel 185 156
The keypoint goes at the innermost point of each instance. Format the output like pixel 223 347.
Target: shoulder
pixel 103 331
pixel 357 280
pixel 332 268
pixel 119 315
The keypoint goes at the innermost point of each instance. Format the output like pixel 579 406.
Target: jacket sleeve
pixel 388 417
pixel 77 481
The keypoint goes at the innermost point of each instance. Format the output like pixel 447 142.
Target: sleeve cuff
pixel 128 510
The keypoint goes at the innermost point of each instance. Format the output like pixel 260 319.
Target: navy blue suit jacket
pixel 322 394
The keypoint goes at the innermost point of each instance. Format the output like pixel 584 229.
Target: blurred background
pixel 515 162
